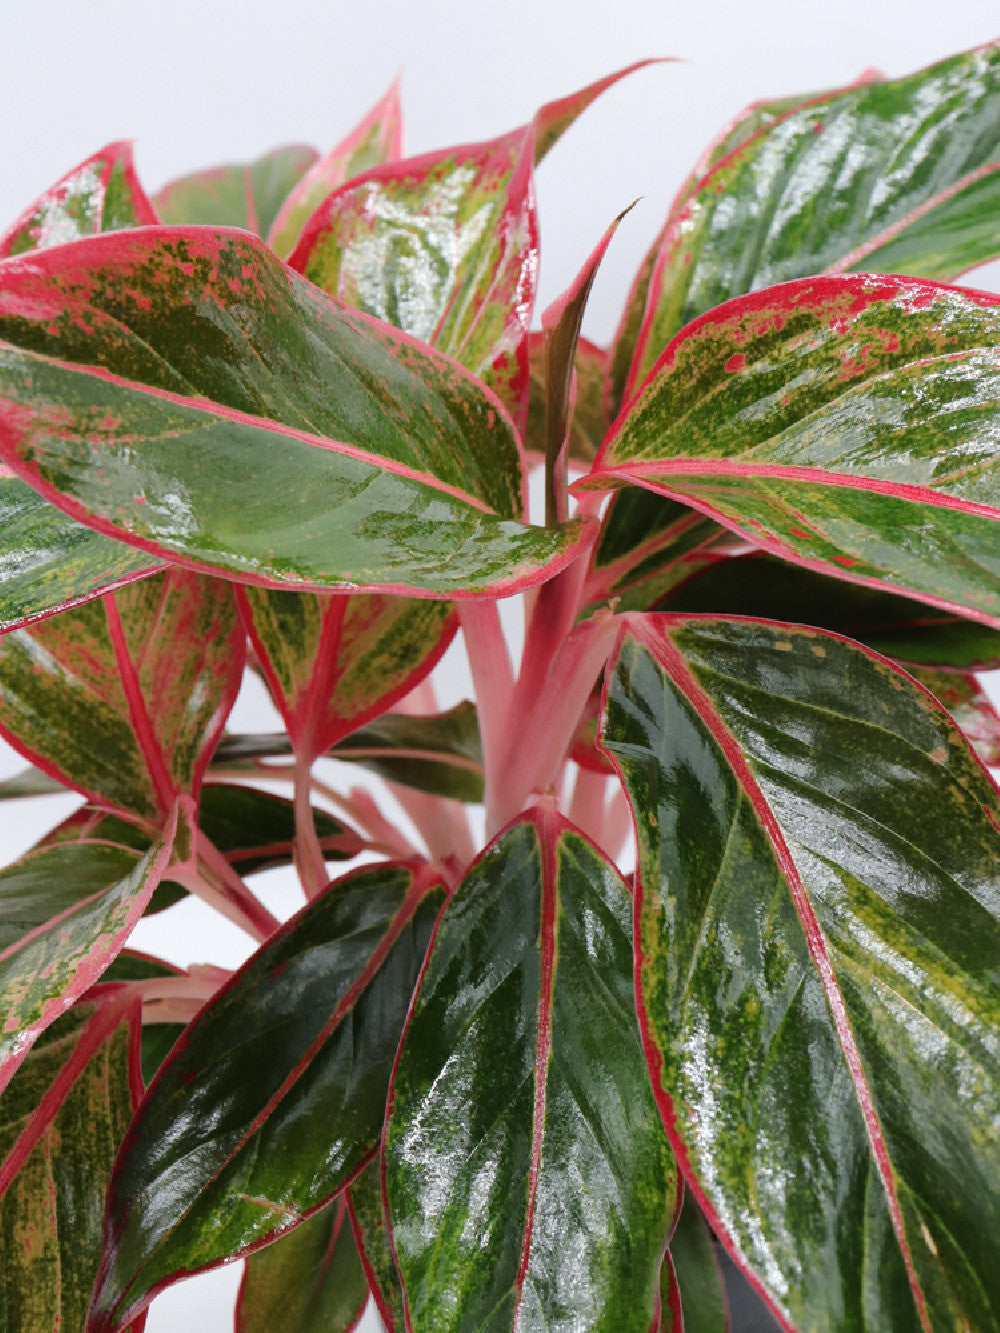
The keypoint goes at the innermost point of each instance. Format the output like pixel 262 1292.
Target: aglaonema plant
pixel 725 968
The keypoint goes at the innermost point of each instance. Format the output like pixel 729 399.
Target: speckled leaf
pixel 522 1128
pixel 308 1281
pixel 274 1097
pixel 125 698
pixel 818 965
pixel 833 178
pixel 61 1121
pixel 695 1269
pixel 101 194
pixel 768 588
pixel 439 753
pixel 970 706
pixel 371 1231
pixel 847 424
pixel 65 912
pixel 376 139
pixel 238 194
pixel 332 662
pixel 444 247
pixel 743 128
pixel 649 545
pixel 226 414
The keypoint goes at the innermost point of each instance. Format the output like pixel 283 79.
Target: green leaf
pixel 522 1128
pixel 444 247
pixel 125 698
pixel 846 424
pixel 225 413
pixel 376 139
pixel 238 194
pixel 831 182
pixel 590 420
pixel 371 1231
pixel 333 662
pixel 65 912
pixel 818 964
pixel 696 1272
pixel 970 706
pixel 61 1121
pixel 275 1095
pixel 308 1281
pixel 101 194
pixel 440 753
pixel 771 589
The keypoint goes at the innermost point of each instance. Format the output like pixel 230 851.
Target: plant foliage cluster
pixel 283 414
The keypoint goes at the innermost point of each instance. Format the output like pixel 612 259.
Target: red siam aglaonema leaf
pixel 845 424
pixel 521 1127
pixel 819 929
pixel 61 1121
pixel 238 194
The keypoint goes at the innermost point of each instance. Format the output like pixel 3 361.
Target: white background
pixel 196 82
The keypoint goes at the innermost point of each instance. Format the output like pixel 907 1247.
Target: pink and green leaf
pixel 67 911
pixel 970 706
pixel 694 1267
pixel 444 247
pixel 371 1231
pixel 439 753
pixel 521 1127
pixel 274 1097
pixel 333 663
pixel 238 194
pixel 554 118
pixel 101 194
pixel 838 177
pixel 845 423
pixel 61 1121
pixel 184 391
pixel 819 930
pixel 125 698
pixel 374 140
pixel 308 1281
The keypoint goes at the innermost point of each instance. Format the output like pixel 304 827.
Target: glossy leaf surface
pixel 234 418
pixel 522 1127
pixel 376 139
pixel 61 1121
pixel 834 178
pixel 696 1272
pixel 846 424
pixel 308 1281
pixel 443 246
pixel 767 588
pixel 371 1231
pixel 820 930
pixel 217 1163
pixel 65 912
pixel 101 194
pixel 125 698
pixel 238 194
pixel 334 662
pixel 970 706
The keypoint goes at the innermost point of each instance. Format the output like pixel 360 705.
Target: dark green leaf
pixel 308 1281
pixel 221 410
pixel 376 139
pixel 333 662
pixel 239 194
pixel 64 914
pixel 970 706
pixel 818 967
pixel 522 1128
pixel 835 179
pixel 441 754
pixel 771 589
pixel 846 424
pixel 444 247
pixel 696 1272
pixel 61 1120
pixel 275 1095
pixel 371 1231
pixel 124 698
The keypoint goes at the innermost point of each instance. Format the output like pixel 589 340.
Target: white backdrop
pixel 196 82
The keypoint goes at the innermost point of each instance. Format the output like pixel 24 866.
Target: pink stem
pixel 442 823
pixel 493 681
pixel 213 879
pixel 308 854
pixel 588 806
